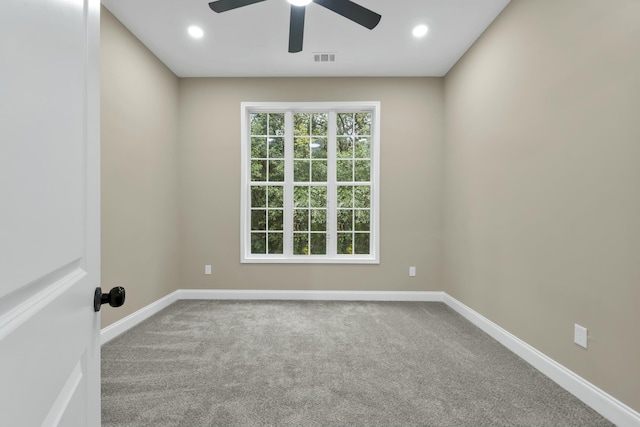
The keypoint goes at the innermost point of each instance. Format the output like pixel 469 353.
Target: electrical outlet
pixel 412 272
pixel 580 335
pixel 207 269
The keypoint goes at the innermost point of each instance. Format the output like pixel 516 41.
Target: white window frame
pixel 246 109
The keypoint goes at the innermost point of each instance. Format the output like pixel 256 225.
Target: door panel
pixel 38 368
pixel 49 212
pixel 43 91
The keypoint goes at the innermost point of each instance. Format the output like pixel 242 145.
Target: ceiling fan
pixel 348 9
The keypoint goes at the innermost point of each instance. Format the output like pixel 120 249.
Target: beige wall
pixel 411 154
pixel 542 183
pixel 139 170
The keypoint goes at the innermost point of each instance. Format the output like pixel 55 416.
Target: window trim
pixel 246 108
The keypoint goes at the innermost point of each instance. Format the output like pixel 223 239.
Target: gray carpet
pixel 283 363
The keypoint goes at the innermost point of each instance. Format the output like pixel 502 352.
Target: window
pixel 310 178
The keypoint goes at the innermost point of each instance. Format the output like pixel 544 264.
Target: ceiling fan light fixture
pixel 420 31
pixel 299 2
pixel 195 32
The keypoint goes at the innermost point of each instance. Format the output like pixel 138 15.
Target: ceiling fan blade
pixel 350 10
pixel 296 28
pixel 224 5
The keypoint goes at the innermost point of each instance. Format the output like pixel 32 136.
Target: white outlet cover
pixel 207 269
pixel 412 271
pixel 580 335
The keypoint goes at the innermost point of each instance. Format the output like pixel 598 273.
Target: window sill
pixel 309 260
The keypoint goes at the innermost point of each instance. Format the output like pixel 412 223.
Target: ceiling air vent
pixel 324 57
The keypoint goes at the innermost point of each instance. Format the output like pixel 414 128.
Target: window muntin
pixel 311 171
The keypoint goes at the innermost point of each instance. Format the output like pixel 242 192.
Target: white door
pixel 49 213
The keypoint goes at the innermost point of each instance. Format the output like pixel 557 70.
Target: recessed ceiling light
pixel 420 31
pixel 195 32
pixel 299 2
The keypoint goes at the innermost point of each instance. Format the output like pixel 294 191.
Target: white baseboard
pixel 606 405
pixel 126 323
pixel 227 294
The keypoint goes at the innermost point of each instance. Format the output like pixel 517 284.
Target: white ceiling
pixel 252 41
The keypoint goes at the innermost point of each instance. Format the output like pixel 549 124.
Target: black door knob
pixel 115 297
